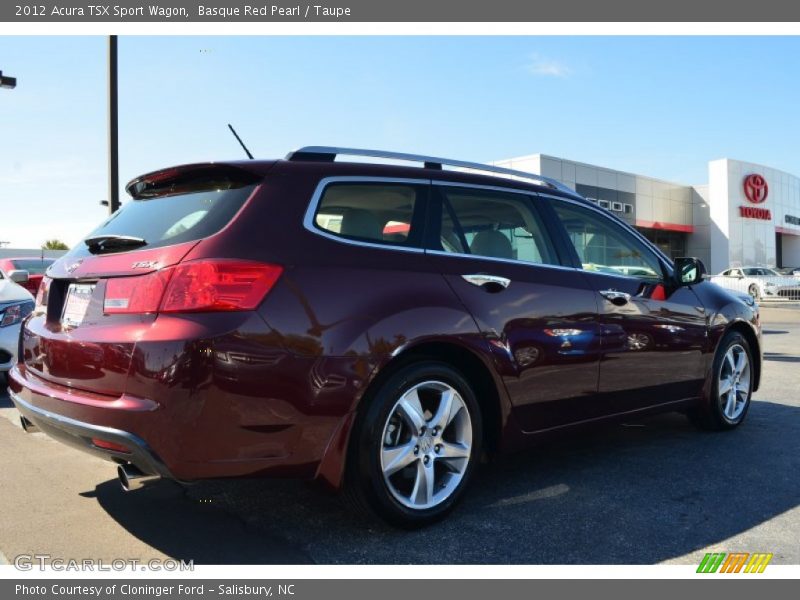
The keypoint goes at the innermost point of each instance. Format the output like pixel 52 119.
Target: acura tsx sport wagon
pixel 374 326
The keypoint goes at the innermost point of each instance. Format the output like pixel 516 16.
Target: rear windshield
pixel 34 266
pixel 169 220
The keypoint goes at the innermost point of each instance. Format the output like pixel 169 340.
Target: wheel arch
pixel 746 330
pixel 477 370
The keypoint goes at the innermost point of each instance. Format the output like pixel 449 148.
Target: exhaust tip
pixel 132 478
pixel 27 426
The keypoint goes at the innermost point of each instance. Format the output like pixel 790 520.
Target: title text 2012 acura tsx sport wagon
pixel 374 326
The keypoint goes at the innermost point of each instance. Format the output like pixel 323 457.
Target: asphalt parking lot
pixel 648 491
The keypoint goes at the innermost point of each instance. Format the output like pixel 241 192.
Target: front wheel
pixel 732 385
pixel 415 447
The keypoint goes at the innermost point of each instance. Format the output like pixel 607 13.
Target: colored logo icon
pixel 736 562
pixel 755 188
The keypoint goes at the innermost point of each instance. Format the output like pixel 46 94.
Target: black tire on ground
pixel 364 484
pixel 710 415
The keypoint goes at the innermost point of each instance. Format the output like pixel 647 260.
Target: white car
pixel 759 282
pixel 16 303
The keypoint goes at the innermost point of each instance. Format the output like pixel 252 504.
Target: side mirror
pixel 689 271
pixel 19 276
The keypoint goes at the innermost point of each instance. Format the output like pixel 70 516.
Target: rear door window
pixel 494 225
pixel 373 212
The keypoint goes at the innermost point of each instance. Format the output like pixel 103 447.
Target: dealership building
pixel 747 214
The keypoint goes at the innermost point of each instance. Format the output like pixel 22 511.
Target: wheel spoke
pixel 411 411
pixel 729 358
pixel 741 362
pixel 744 383
pixel 449 450
pixel 422 493
pixel 448 408
pixel 725 385
pixel 730 404
pixel 398 457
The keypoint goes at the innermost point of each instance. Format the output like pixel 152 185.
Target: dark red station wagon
pixel 374 326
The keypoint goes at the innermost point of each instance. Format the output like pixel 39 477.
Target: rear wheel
pixel 754 292
pixel 732 385
pixel 415 448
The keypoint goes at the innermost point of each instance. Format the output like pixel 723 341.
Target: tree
pixel 54 245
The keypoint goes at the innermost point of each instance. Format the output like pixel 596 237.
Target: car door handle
pixel 616 297
pixel 490 281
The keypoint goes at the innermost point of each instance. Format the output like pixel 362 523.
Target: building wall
pixel 698 244
pixel 743 240
pixel 709 215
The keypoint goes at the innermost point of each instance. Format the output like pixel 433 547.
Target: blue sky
pixel 660 106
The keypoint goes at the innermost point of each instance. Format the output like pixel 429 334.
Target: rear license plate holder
pixel 79 296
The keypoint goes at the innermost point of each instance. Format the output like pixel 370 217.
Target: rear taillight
pixel 140 294
pixel 196 286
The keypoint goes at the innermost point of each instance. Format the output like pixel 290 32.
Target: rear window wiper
pixel 101 243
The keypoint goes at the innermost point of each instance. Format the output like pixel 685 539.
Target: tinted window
pixel 493 224
pixel 33 266
pixel 372 212
pixel 605 246
pixel 168 220
pixel 760 271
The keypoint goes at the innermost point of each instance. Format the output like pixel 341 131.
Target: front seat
pixel 360 223
pixel 492 243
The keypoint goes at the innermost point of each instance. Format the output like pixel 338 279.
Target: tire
pixel 389 462
pixel 754 292
pixel 721 412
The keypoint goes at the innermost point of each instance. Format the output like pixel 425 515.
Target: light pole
pixel 7 82
pixel 113 128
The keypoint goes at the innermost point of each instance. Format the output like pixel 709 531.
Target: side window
pixel 382 213
pixel 604 246
pixel 493 224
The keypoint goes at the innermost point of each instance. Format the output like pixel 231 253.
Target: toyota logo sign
pixel 755 188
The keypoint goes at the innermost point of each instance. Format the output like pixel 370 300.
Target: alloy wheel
pixel 426 445
pixel 733 386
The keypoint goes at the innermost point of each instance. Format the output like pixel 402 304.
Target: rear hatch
pixel 98 299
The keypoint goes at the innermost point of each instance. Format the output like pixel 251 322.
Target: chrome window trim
pixel 493 188
pixel 510 261
pixel 311 211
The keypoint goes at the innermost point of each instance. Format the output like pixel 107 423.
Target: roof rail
pixel 329 154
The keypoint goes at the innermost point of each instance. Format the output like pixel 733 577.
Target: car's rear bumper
pixel 277 428
pixel 83 436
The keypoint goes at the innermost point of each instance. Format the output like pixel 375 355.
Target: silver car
pixel 759 282
pixel 16 303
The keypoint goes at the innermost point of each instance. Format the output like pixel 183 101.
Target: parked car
pixel 376 327
pixel 35 267
pixel 759 282
pixel 16 303
pixel 789 271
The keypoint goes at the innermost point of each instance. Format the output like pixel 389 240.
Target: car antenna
pixel 238 139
